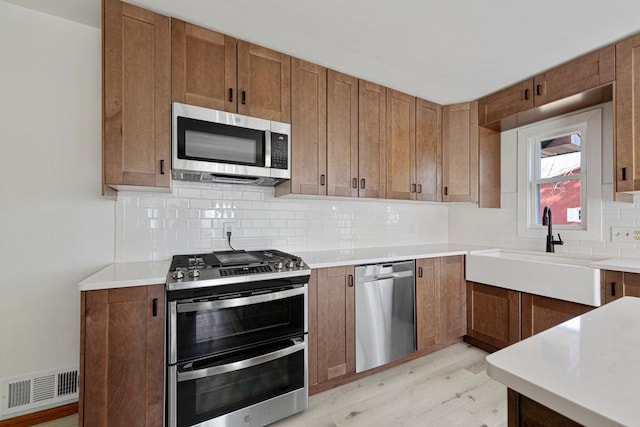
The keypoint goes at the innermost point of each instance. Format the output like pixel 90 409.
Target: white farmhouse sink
pixel 558 276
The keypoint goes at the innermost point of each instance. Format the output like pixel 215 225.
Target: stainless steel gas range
pixel 237 338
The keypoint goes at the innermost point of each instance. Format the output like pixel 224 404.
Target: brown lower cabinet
pixel 493 316
pixel 498 317
pixel 122 357
pixel 440 302
pixel 523 411
pixel 618 284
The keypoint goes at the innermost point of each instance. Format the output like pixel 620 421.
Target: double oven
pixel 236 338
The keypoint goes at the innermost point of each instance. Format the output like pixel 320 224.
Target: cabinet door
pixel 428 151
pixel 203 67
pixel 336 323
pixel 308 128
pixel 136 98
pixel 587 72
pixel 493 316
pixel 264 79
pixel 342 135
pixel 452 298
pixel 506 102
pixel 427 303
pixel 401 146
pixel 460 152
pixel 627 111
pixel 631 285
pixel 613 285
pixel 372 114
pixel 540 313
pixel 122 371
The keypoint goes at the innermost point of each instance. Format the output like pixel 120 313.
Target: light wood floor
pixel 447 388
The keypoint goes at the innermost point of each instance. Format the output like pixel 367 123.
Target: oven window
pixel 201 333
pixel 212 396
pixel 216 142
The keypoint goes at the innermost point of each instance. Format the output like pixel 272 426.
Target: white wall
pixel 499 226
pixel 157 225
pixel 55 227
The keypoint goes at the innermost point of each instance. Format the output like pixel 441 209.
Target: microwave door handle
pixel 242 364
pixel 188 307
pixel 267 148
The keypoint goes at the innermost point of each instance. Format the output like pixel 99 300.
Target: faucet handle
pixel 559 241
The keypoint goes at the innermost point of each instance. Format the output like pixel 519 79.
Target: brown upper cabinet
pixel 372 145
pixel 308 129
pixel 401 146
pixel 460 152
pixel 342 134
pixel 136 97
pixel 428 151
pixel 498 110
pixel 216 71
pixel 627 111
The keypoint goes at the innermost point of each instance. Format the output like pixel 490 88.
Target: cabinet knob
pixel 413 188
pixel 323 180
pixel 230 94
pixel 446 191
pixel 539 89
pixel 624 174
pixel 419 188
pixel 351 280
pixel 244 97
pixel 363 183
pixel 613 289
pixel 526 94
pixel 420 272
pixel 355 183
pixel 155 307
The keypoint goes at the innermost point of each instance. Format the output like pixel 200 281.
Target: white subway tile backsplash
pixel 151 226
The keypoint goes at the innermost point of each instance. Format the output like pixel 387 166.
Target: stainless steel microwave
pixel 217 146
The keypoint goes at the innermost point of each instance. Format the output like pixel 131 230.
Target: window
pixel 559 166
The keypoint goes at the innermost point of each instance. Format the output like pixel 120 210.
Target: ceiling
pixel 443 51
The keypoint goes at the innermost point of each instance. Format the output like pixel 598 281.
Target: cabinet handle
pixel 419 271
pixel 244 97
pixel 162 167
pixel 526 94
pixel 624 174
pixel 362 183
pixel 355 183
pixel 323 180
pixel 419 188
pixel 155 307
pixel 539 89
pixel 351 280
pixel 230 94
pixel 613 289
pixel 413 188
pixel 446 191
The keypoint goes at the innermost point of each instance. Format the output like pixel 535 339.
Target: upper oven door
pixel 223 323
pixel 215 141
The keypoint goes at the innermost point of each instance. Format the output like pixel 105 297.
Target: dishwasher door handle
pixel 397 275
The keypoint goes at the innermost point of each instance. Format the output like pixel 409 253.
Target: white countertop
pixel 339 257
pixel 587 368
pixel 630 265
pixel 125 274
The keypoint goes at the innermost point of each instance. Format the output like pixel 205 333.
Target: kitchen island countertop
pixel 587 368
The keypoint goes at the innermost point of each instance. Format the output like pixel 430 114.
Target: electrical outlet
pixel 228 228
pixel 625 234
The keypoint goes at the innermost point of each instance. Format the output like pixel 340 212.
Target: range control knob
pixel 279 265
pixel 194 273
pixel 178 274
pixel 300 263
pixel 291 264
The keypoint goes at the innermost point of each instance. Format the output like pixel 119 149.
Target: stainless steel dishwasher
pixel 385 313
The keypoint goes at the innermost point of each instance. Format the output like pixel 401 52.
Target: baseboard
pixel 41 416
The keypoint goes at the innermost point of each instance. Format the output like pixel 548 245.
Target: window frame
pixel 589 125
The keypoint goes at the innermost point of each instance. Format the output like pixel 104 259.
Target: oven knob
pixel 291 264
pixel 279 265
pixel 300 263
pixel 178 274
pixel 194 273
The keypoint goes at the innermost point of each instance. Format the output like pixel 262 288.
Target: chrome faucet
pixel 546 220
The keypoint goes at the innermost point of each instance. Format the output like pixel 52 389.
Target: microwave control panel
pixel 279 150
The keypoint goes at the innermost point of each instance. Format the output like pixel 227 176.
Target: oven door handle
pixel 187 307
pixel 242 364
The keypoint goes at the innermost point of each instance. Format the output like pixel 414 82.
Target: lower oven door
pixel 252 388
